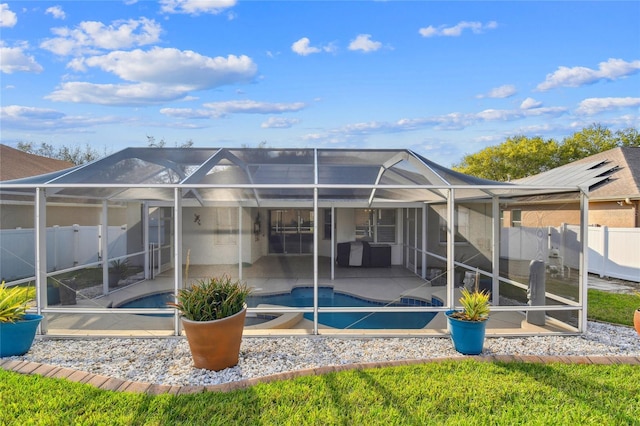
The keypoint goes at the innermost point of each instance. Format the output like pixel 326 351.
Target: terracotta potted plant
pixel 468 326
pixel 17 327
pixel 636 315
pixel 213 312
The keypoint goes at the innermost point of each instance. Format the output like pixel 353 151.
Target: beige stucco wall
pixel 607 213
pixel 22 216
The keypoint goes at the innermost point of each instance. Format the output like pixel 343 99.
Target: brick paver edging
pixel 113 384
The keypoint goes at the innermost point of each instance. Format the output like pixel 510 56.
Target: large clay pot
pixel 215 345
pixel 636 320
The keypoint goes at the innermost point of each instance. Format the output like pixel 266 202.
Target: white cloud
pixel 516 114
pixel 279 123
pixel 593 106
pixel 451 121
pixel 31 113
pixel 363 42
pixel 196 7
pixel 7 17
pixel 504 91
pixel 93 36
pixel 579 76
pixel 530 103
pixel 456 30
pixel 116 94
pixel 14 59
pixel 253 107
pixel 222 109
pixel 303 47
pixel 187 113
pixel 158 75
pixel 56 12
pixel 47 120
pixel 179 68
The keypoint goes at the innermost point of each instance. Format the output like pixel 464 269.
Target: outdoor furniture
pixel 363 253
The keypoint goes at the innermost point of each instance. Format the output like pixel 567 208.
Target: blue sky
pixel 442 78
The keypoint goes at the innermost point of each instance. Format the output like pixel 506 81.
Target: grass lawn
pixel 467 392
pixel 615 308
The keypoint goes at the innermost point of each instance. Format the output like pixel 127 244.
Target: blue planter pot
pixel 16 338
pixel 53 295
pixel 467 336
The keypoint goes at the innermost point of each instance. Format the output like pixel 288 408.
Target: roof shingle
pixel 16 164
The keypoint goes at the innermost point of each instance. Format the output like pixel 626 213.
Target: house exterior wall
pixel 601 213
pixel 534 216
pixel 201 237
pixel 22 215
pixel 612 214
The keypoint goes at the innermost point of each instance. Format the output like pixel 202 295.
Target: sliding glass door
pixel 291 231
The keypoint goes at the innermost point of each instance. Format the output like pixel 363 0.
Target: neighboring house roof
pixel 16 164
pixel 612 174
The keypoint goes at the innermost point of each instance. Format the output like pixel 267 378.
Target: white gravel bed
pixel 168 361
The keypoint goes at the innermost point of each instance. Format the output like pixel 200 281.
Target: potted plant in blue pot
pixel 468 326
pixel 17 327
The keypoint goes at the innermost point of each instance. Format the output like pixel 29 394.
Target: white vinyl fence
pixel 67 246
pixel 613 252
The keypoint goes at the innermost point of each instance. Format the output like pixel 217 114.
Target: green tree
pixel 75 155
pixel 516 157
pixel 590 140
pixel 628 137
pixel 522 156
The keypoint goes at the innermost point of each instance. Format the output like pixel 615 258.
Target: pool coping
pixel 118 385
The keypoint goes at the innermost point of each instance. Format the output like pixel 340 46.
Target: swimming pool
pixel 301 297
pixel 160 300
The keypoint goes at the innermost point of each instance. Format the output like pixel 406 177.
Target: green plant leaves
pixel 14 302
pixel 475 305
pixel 211 299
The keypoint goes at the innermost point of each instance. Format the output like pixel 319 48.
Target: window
pixel 516 218
pixel 461 225
pixel 377 225
pixel 226 226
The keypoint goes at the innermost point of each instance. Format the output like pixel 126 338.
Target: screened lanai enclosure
pixel 356 242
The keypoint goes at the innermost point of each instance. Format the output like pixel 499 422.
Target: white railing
pixel 613 252
pixel 67 246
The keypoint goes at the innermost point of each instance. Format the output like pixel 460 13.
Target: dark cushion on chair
pixel 344 249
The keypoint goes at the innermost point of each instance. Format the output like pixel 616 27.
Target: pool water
pixel 158 300
pixel 302 297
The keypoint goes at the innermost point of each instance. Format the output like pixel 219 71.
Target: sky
pixel 444 79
